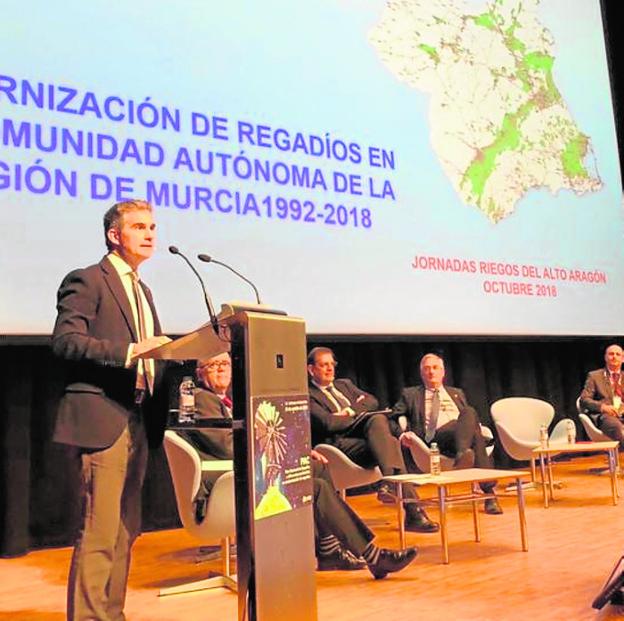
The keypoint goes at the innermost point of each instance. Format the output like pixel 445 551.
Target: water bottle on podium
pixel 434 460
pixel 186 402
pixel 543 436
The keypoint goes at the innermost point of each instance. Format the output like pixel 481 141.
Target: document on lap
pixel 362 417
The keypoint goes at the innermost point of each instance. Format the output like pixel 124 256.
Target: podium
pixel 271 429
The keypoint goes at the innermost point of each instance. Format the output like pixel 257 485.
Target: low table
pixel 442 482
pixel 545 454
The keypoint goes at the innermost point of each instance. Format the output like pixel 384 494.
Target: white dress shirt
pixel 448 410
pixel 125 274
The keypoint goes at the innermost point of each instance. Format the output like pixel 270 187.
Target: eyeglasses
pixel 220 364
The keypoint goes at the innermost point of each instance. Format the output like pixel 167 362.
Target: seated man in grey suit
pixel 336 406
pixel 343 541
pixel 601 397
pixel 442 414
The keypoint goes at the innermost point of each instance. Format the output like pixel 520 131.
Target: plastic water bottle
pixel 543 436
pixel 187 400
pixel 571 429
pixel 434 460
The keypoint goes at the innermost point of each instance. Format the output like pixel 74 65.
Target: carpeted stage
pixel 572 547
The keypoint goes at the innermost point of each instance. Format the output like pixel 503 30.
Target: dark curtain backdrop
pixel 39 490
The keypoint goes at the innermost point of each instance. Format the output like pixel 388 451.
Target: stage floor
pixel 572 548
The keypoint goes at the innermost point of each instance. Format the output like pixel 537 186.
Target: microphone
pixel 209 306
pixel 208 259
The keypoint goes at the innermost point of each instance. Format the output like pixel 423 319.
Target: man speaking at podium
pixel 108 413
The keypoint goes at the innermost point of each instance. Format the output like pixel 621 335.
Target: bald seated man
pixel 601 396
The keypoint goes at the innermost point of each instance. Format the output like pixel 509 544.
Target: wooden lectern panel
pixel 201 343
pixel 275 529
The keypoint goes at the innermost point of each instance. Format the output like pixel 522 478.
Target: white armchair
pixel 518 421
pixel 219 522
pixel 345 472
pixel 594 434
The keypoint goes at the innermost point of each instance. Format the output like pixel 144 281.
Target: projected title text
pixel 218 168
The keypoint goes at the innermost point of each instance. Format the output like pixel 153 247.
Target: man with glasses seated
pixel 212 400
pixel 343 541
pixel 337 408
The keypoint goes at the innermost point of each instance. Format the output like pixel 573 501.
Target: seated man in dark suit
pixel 335 406
pixel 343 541
pixel 601 397
pixel 442 414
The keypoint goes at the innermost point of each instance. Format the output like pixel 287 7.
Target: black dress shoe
pixel 492 506
pixel 341 560
pixel 465 459
pixel 419 522
pixel 391 560
pixel 385 495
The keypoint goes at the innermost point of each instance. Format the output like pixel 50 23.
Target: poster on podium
pixel 283 473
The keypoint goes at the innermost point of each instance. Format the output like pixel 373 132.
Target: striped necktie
pixel 432 425
pixel 340 399
pixel 143 378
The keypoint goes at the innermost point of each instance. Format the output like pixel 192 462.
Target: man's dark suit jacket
pixel 412 405
pixel 93 330
pixel 325 423
pixel 597 390
pixel 211 443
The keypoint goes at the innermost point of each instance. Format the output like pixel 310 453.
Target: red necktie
pixel 227 402
pixel 615 380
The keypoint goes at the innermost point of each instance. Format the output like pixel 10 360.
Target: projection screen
pixel 381 167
